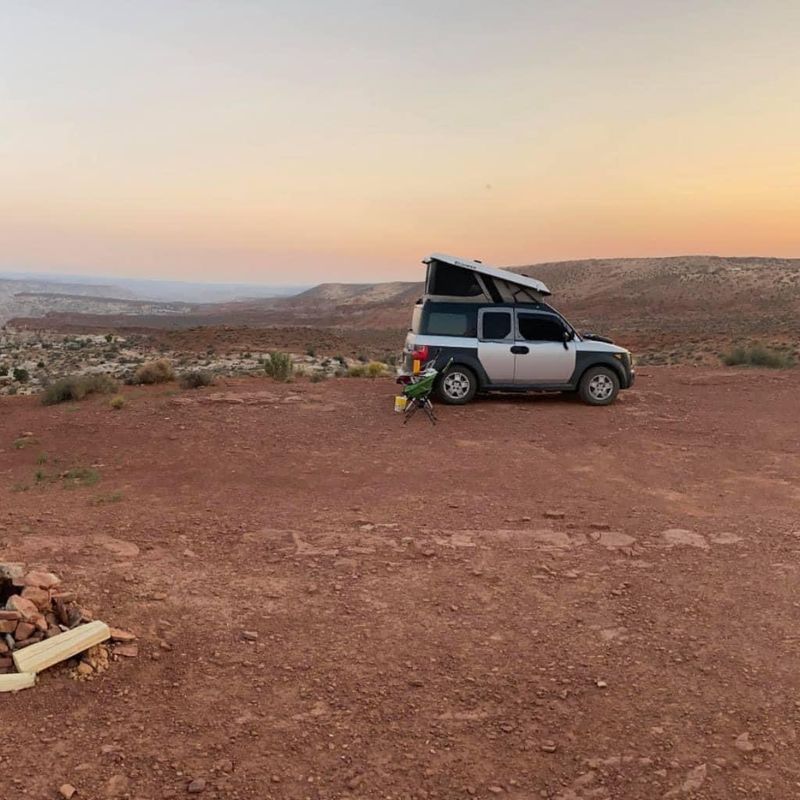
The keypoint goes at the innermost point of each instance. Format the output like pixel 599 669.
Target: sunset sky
pixel 295 142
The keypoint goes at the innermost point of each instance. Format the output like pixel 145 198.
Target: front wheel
pixel 599 386
pixel 457 385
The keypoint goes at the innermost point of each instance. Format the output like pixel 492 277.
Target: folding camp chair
pixel 418 392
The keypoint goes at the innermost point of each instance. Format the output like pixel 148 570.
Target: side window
pixel 540 328
pixel 444 323
pixel 495 325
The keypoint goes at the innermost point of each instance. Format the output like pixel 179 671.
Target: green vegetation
pixel 76 387
pixel 21 375
pixel 758 356
pixel 278 366
pixel 106 499
pixel 154 372
pixel 357 371
pixel 196 378
pixel 117 402
pixel 79 477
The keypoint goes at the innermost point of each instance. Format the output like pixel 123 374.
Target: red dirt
pixel 429 624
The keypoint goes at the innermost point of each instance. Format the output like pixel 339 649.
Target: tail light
pixel 420 353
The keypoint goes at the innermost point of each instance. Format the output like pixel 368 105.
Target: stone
pixel 695 779
pixel 24 631
pixel 6 615
pixel 39 597
pixel 127 650
pixel 8 625
pixel 552 514
pixel 250 636
pixel 743 743
pixel 119 635
pixel 549 747
pixel 613 540
pixel 196 786
pixel 11 571
pixel 84 669
pixel 116 786
pixel 67 791
pixel 679 536
pixel 42 580
pixel 26 608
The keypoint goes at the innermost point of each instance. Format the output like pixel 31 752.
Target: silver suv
pixel 499 335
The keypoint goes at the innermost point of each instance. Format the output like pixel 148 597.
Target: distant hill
pixel 684 306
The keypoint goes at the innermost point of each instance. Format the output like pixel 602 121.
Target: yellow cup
pixel 400 403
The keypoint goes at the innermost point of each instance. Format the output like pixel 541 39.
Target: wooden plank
pixel 17 681
pixel 44 654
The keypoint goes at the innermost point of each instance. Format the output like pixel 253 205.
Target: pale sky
pixel 294 142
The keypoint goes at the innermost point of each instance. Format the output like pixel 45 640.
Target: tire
pixel 457 385
pixel 599 386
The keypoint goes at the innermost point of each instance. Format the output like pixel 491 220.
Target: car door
pixel 496 343
pixel 542 354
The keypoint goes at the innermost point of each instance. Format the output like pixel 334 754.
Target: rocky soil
pixel 535 599
pixel 30 360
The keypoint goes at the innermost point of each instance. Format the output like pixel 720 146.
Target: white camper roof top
pixel 486 269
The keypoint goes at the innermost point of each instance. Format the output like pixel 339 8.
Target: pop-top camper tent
pixel 459 279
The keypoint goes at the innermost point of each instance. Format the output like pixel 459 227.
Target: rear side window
pixel 447 323
pixel 495 325
pixel 540 328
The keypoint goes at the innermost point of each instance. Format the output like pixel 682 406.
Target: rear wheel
pixel 457 385
pixel 599 386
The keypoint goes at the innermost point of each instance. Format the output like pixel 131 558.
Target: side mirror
pixel 568 337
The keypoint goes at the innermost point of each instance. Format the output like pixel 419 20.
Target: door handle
pixel 520 349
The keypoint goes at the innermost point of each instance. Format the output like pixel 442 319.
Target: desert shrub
pixel 21 375
pixel 375 369
pixel 278 366
pixel 80 476
pixel 76 387
pixel 196 378
pixel 117 402
pixel 154 372
pixel 317 377
pixel 3 370
pixel 758 356
pixel 357 371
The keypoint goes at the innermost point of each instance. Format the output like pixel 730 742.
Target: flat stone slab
pixel 681 537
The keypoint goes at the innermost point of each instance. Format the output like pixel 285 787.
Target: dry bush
pixel 117 402
pixel 758 356
pixel 154 372
pixel 76 387
pixel 278 366
pixel 196 378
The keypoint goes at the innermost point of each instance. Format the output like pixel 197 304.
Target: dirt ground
pixel 535 599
